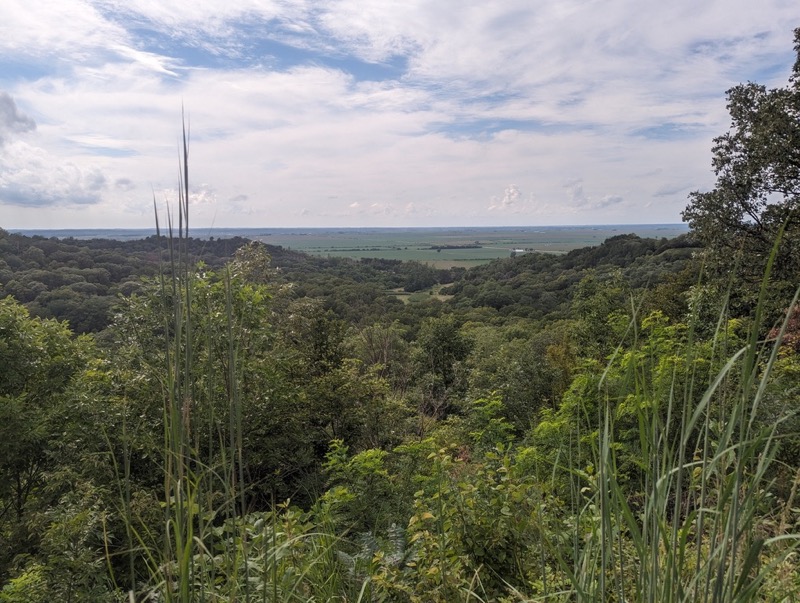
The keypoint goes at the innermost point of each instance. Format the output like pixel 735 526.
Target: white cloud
pixel 510 200
pixel 59 34
pixel 471 96
pixel 29 176
pixel 12 120
pixel 124 184
pixel 579 200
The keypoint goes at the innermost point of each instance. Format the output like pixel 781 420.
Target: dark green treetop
pixel 757 164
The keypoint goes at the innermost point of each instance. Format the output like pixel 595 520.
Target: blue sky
pixel 372 113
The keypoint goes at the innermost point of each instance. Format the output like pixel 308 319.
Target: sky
pixel 336 113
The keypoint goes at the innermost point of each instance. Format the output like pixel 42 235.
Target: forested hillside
pixel 186 420
pixel 81 281
pixel 341 443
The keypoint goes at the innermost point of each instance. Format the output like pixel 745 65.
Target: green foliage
pixel 581 478
pixel 383 348
pixel 40 361
pixel 757 164
pixel 29 587
pixel 78 281
pixel 441 348
pixel 529 368
pixel 538 285
pixel 361 488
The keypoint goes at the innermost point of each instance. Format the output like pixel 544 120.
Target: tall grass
pixel 699 530
pixel 181 478
pixel 210 548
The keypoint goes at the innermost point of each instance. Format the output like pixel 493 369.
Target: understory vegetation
pixel 246 424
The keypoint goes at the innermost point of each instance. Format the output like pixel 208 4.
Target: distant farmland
pixel 442 247
pixel 445 247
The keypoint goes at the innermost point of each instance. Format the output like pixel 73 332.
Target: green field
pixel 445 247
pixel 442 247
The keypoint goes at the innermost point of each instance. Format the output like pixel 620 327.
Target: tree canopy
pixel 757 164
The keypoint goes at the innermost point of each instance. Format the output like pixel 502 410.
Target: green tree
pixel 602 306
pixel 757 164
pixel 383 347
pixel 442 348
pixel 239 368
pixel 39 360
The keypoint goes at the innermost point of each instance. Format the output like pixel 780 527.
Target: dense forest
pixel 222 420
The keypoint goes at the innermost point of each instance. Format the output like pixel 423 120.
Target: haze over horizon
pixel 352 114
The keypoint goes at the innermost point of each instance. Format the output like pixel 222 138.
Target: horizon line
pixel 211 228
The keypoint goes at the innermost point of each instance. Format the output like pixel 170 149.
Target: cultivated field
pixel 446 247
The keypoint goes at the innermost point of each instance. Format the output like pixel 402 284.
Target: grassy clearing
pixel 420 296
